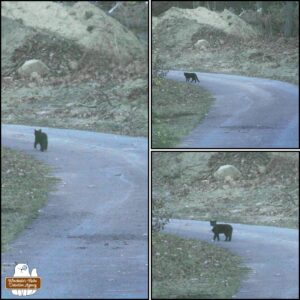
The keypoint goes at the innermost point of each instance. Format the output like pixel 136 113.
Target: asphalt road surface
pixel 272 254
pixel 247 113
pixel 91 238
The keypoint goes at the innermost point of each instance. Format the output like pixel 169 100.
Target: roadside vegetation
pixel 25 184
pixel 191 269
pixel 177 108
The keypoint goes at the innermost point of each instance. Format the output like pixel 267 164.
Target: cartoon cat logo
pixel 22 270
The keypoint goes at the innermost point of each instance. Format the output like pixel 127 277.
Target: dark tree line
pixel 158 7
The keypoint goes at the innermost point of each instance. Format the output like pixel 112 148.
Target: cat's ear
pixel 16 263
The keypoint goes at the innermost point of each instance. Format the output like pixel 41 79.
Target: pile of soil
pixel 226 21
pixel 82 23
pixel 228 44
pixel 56 52
pixel 98 68
pixel 179 29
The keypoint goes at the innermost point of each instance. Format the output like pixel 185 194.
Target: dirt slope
pixel 83 23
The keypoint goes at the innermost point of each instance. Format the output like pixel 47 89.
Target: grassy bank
pixel 177 107
pixel 193 269
pixel 25 184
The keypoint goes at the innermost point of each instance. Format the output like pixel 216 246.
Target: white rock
pixel 202 44
pixel 226 172
pixel 33 66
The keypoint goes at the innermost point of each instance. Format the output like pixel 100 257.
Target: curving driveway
pixel 91 238
pixel 272 253
pixel 248 113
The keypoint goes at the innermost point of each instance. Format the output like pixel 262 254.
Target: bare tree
pixel 259 7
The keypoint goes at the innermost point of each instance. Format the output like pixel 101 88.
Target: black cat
pixel 226 229
pixel 192 76
pixel 41 138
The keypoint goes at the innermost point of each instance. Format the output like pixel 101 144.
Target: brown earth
pixel 98 68
pixel 235 47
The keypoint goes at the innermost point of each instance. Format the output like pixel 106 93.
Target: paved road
pixel 248 113
pixel 91 239
pixel 272 253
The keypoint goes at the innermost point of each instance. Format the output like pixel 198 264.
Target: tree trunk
pixel 289 18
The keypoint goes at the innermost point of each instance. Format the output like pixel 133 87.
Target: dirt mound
pixel 83 23
pixel 186 26
pixel 230 38
pixel 57 53
pixel 98 68
pixel 225 21
pixel 178 30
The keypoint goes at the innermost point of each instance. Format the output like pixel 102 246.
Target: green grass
pixel 25 184
pixel 177 107
pixel 191 269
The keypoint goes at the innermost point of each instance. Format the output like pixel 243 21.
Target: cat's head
pixel 37 132
pixel 213 223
